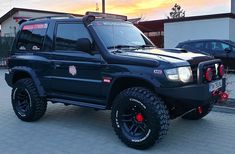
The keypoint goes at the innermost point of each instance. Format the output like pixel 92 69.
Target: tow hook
pixel 223 96
pixel 199 109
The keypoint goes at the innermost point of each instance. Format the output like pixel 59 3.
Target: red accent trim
pixel 139 117
pixel 209 74
pixel 221 70
pixel 199 110
pixel 223 96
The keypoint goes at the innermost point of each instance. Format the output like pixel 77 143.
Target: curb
pixel 228 107
pixel 223 109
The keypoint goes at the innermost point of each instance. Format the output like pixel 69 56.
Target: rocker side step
pixel 82 104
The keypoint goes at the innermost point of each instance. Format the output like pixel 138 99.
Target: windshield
pixel 121 35
pixel 233 43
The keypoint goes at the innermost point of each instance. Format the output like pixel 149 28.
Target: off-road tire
pixel 38 105
pixel 195 115
pixel 154 111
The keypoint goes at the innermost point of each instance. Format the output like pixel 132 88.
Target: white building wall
pixel 233 6
pixel 10 26
pixel 232 30
pixel 176 32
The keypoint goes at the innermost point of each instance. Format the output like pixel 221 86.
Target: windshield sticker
pixel 104 23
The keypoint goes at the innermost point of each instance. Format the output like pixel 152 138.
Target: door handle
pixel 56 64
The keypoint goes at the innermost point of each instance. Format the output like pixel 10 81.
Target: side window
pixel 68 36
pixel 219 46
pixel 31 37
pixel 198 45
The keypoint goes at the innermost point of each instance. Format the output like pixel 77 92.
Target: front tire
pixel 26 102
pixel 196 115
pixel 139 117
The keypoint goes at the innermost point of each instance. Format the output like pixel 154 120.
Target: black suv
pixel 222 49
pixel 104 62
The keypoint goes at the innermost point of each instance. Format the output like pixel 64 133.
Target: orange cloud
pixel 149 9
pixel 157 8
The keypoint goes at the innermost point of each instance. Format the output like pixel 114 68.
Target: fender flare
pixel 138 76
pixel 32 75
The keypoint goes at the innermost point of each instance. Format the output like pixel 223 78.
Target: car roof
pixel 205 40
pixel 65 19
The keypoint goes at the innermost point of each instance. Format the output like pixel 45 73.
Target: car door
pixel 222 51
pixel 231 56
pixel 76 73
pixel 199 47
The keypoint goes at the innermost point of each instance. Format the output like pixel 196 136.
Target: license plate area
pixel 215 85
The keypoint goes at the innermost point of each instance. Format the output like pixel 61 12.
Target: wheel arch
pixel 126 82
pixel 18 73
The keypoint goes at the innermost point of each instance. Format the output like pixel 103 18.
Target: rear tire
pixel 195 115
pixel 26 102
pixel 139 118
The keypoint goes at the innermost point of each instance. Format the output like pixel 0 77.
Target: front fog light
pixel 185 74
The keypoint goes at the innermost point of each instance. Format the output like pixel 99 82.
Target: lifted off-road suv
pixel 104 62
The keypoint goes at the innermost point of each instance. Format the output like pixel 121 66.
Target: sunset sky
pixel 148 9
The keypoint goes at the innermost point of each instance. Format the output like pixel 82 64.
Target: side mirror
pixel 84 44
pixel 227 50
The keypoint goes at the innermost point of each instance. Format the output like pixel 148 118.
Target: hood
pixel 174 56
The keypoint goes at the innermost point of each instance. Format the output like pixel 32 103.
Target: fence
pixel 5 47
pixel 3 62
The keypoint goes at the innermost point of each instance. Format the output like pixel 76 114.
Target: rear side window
pixel 68 35
pixel 219 46
pixel 198 45
pixel 31 37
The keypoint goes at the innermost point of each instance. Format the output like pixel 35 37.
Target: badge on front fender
pixel 72 70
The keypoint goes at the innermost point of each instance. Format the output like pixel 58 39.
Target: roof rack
pixel 107 15
pixel 53 17
pixel 47 17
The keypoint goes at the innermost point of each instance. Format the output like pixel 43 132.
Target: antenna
pixel 97 7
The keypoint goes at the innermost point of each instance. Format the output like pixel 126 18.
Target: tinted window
pixel 68 35
pixel 120 34
pixel 198 45
pixel 31 37
pixel 219 46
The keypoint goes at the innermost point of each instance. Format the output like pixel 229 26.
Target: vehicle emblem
pixel 72 70
pixel 158 72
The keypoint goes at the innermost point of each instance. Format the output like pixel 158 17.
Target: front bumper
pixel 197 93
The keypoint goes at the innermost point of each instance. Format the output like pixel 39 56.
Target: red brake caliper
pixel 139 117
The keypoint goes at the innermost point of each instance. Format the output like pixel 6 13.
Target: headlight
pixel 183 74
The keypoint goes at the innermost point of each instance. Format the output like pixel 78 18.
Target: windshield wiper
pixel 122 46
pixel 145 46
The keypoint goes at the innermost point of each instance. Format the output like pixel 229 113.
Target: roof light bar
pixel 107 15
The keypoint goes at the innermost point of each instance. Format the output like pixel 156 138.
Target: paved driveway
pixel 231 85
pixel 78 130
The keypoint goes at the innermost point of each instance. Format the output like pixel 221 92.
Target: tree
pixel 176 12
